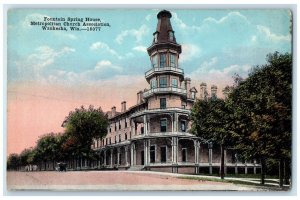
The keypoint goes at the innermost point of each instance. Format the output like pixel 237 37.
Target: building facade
pixel 154 133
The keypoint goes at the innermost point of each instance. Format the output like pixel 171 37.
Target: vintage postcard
pixel 149 99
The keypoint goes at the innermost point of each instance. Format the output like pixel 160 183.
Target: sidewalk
pixel 246 180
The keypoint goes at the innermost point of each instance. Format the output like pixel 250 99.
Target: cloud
pixel 106 64
pixel 138 34
pixel 140 49
pixel 42 57
pixel 210 73
pixel 32 17
pixel 189 51
pixel 148 17
pixel 178 21
pixel 229 17
pixel 103 69
pixel 45 55
pixel 266 32
pixel 103 47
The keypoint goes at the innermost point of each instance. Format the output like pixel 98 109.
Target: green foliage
pixel 27 156
pixel 13 161
pixel 262 109
pixel 212 121
pixel 82 126
pixel 48 147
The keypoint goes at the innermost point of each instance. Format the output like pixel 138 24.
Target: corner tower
pixel 165 76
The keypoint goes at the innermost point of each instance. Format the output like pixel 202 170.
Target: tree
pixel 13 162
pixel 48 148
pixel 262 111
pixel 211 121
pixel 27 156
pixel 82 126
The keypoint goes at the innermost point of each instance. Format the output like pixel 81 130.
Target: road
pixel 114 181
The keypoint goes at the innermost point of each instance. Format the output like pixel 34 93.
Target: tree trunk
pixel 263 171
pixel 286 172
pixel 281 172
pixel 222 173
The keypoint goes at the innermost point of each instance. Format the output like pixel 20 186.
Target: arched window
pixel 155 37
pixel 171 36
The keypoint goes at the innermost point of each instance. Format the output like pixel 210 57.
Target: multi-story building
pixel 154 133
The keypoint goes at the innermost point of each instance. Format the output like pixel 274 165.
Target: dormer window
pixel 193 95
pixel 155 37
pixel 171 36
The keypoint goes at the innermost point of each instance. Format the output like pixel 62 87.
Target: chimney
pixel 203 92
pixel 140 97
pixel 214 89
pixel 123 106
pixel 113 111
pixel 187 82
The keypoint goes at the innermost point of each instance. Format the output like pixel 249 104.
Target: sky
pixel 50 73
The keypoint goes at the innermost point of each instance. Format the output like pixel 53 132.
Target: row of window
pixel 170 34
pixel 163 82
pixel 160 60
pixel 163 125
pixel 119 126
pixel 163 154
pixel 108 140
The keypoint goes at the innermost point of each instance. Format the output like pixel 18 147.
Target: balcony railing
pixel 164 134
pixel 164 69
pixel 165 90
pixel 161 110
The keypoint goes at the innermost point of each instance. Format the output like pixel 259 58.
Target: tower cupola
pixel 164 34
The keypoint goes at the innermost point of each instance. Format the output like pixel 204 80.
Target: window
pixel 116 158
pixel 163 60
pixel 115 139
pixel 152 154
pixel 142 158
pixel 106 141
pixel 172 60
pixel 163 82
pixel 155 37
pixel 119 125
pixel 174 83
pixel 163 154
pixel 142 130
pixel 154 61
pixel 120 159
pixel 193 95
pixel 171 36
pixel 125 123
pixel 183 127
pixel 125 136
pixel 119 138
pixel 110 129
pixel 163 103
pixel 110 140
pixel 153 83
pixel 163 125
pixel 116 126
pixel 184 154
